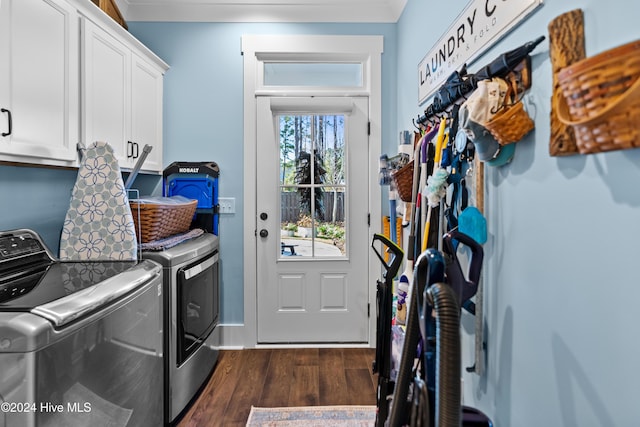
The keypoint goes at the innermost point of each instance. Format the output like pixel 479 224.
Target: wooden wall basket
pixel 601 99
pixel 566 47
pixel 111 8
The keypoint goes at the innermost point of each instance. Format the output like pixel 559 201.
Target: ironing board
pixel 98 224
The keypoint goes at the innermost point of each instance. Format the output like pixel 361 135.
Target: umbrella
pixel 456 85
pixel 459 83
pixel 502 65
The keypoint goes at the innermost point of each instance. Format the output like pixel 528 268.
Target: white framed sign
pixel 481 24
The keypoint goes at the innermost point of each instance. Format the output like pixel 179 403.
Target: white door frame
pixel 364 49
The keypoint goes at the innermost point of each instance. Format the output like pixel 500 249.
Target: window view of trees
pixel 312 181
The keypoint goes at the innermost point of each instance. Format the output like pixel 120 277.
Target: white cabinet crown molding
pixel 101 19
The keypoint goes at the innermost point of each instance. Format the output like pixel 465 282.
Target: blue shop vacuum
pixel 199 181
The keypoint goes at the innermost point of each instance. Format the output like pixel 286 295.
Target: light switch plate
pixel 227 205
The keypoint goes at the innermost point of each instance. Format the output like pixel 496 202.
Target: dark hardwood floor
pixel 282 377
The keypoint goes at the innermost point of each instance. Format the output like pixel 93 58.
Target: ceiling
pixel 378 11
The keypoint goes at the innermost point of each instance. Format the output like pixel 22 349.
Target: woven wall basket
pixel 510 124
pixel 602 99
pixel 403 179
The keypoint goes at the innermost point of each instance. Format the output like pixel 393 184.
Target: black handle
pixel 129 149
pixel 264 216
pixel 9 120
pixel 396 251
pixel 465 286
pixel 477 253
pixel 264 233
pixel 136 152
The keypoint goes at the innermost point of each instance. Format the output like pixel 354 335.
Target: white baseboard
pixel 232 337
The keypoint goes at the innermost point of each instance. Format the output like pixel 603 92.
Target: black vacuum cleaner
pixel 433 338
pixel 384 296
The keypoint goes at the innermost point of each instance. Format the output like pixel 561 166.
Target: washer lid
pixel 36 286
pixel 85 301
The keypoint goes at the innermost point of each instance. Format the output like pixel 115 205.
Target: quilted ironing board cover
pixel 99 224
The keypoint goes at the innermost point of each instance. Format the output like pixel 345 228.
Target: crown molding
pixel 337 11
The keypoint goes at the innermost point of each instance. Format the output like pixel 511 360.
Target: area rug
pixel 313 416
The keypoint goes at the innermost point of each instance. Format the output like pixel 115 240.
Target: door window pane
pixel 313 185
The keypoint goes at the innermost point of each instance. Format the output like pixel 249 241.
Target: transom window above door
pixel 313 74
pixel 314 65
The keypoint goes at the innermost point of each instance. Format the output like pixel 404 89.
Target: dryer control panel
pixel 23 261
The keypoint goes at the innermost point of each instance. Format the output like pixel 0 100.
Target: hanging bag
pixel 511 122
pixel 477 111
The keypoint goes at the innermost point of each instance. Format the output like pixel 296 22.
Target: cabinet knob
pixel 264 233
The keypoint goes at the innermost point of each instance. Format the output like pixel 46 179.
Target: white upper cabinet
pixel 39 82
pixel 121 98
pixel 106 93
pixel 69 74
pixel 146 111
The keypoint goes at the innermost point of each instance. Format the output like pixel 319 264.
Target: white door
pixel 312 169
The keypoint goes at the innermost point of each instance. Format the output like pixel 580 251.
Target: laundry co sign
pixel 480 25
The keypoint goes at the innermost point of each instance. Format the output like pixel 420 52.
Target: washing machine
pixel 81 342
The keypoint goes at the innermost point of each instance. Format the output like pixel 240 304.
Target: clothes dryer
pixel 191 315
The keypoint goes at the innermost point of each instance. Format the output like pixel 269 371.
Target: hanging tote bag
pixel 511 122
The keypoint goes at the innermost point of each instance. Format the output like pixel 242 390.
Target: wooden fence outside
pixel 290 206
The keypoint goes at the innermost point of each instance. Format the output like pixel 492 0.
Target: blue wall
pixel 35 198
pixel 203 121
pixel 38 198
pixel 561 285
pixel 203 112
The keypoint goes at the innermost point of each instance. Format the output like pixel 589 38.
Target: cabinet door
pixel 106 64
pixel 39 81
pixel 5 83
pixel 146 108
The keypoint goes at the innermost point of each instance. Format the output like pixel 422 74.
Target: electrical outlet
pixel 227 205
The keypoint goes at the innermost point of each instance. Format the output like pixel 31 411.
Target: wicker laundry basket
pixel 155 220
pixel 602 99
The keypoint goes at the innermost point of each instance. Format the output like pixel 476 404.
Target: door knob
pixel 264 233
pixel 264 216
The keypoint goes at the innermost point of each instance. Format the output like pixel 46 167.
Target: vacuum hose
pixel 445 303
pixel 399 407
pixel 429 269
